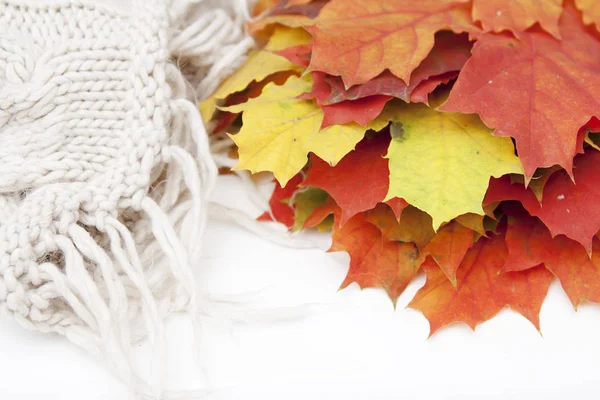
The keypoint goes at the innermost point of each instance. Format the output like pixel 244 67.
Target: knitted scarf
pixel 105 165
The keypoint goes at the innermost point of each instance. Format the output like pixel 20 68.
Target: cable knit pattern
pixel 105 168
pixel 84 106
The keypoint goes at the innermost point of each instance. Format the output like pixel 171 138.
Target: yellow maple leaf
pixel 441 162
pixel 279 130
pixel 284 37
pixel 258 66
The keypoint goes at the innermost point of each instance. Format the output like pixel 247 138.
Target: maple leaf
pixel 536 70
pixel 532 77
pixel 298 2
pixel 359 181
pixel 413 225
pixel 503 189
pixel 421 93
pixel 280 128
pixel 527 240
pixel 299 54
pixel 481 292
pixel 583 136
pixel 473 221
pixel 262 6
pixel 563 201
pixel 538 181
pixel 578 274
pixel 449 246
pixel 529 244
pixel 259 65
pixel 320 89
pixel 358 40
pixel 263 63
pixel 322 213
pixel 442 64
pixel 287 13
pixel 374 261
pixel 305 202
pixel 518 15
pixel 397 205
pixel 281 210
pixel 590 10
pixel 279 131
pixel 225 119
pixel 284 37
pixel 310 8
pixel 441 163
pixel 361 111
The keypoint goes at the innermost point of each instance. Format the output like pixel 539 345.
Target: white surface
pixel 355 346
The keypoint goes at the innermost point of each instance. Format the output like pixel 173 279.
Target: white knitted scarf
pixel 105 165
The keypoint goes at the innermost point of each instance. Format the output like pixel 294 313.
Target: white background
pixel 351 346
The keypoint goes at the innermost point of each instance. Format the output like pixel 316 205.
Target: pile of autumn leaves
pixel 450 136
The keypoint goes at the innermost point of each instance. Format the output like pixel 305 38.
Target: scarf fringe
pixel 108 281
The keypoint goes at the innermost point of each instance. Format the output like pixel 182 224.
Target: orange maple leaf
pixel 358 40
pixel 518 15
pixel 590 10
pixel 292 13
pixel 481 292
pixel 449 246
pixel 579 274
pixel 375 261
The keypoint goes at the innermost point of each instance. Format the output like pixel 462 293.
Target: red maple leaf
pixel 299 54
pixel 359 181
pixel 448 55
pixel 529 244
pixel 527 240
pixel 361 111
pixel 538 90
pixel 421 93
pixel 280 208
pixel 449 246
pixel 563 201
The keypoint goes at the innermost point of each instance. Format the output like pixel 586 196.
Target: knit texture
pixel 105 166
